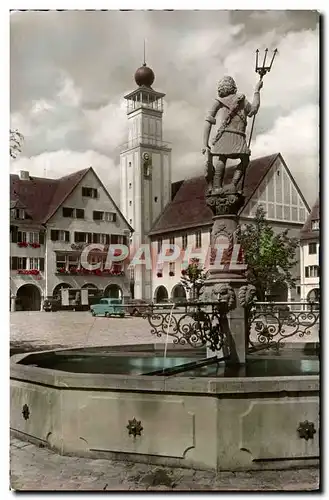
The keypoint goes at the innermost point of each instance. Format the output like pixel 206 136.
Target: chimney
pixel 24 175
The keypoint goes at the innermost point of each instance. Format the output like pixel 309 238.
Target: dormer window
pixel 19 213
pixel 315 225
pixel 89 192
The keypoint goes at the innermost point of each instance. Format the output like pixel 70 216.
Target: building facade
pixel 309 256
pixel 51 222
pixel 145 166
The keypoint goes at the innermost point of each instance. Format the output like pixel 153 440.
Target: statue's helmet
pixel 226 86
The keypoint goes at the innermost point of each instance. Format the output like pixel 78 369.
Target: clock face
pixel 146 156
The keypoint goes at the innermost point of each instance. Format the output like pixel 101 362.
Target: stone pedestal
pixel 224 278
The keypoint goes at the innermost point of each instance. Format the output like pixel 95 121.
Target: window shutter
pixel 67 236
pixel 14 234
pixel 107 239
pixel 14 263
pixel 306 272
pixel 19 236
pixel 53 235
pixel 42 238
pixel 114 217
pixel 42 264
pixel 76 239
pixel 24 262
pixel 89 237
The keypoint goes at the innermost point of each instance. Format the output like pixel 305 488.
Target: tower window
pixel 130 203
pixel 155 199
pixel 129 185
pixel 130 221
pixel 129 164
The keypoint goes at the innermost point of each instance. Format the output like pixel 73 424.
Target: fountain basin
pixel 205 417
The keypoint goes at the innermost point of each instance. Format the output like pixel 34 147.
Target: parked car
pixel 108 307
pixel 137 307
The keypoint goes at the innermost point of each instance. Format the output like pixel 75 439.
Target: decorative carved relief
pixel 306 430
pixel 26 412
pixel 135 427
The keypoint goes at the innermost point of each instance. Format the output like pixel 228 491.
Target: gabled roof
pixel 189 209
pixel 307 233
pixel 42 197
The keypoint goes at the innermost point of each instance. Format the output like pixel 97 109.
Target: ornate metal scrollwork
pixel 195 323
pixel 306 430
pixel 135 427
pixel 271 324
pixel 26 412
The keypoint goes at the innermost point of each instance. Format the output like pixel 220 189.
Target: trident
pixel 261 70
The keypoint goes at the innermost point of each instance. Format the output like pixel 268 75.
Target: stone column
pixel 224 280
pixel 13 303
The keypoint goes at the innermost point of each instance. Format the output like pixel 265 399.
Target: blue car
pixel 108 307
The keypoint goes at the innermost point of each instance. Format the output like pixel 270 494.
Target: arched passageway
pixel 178 293
pixel 28 298
pixel 161 294
pixel 113 291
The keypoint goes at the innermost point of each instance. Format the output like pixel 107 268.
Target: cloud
pixel 299 146
pixel 59 163
pixel 71 69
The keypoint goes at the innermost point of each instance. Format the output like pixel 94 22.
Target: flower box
pixel 33 272
pixel 22 244
pixel 184 272
pixel 34 245
pixel 159 275
pixel 171 273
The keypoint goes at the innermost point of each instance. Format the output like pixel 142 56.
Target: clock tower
pixel 145 169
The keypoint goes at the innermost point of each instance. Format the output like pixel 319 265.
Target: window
pixel 172 241
pixel 155 199
pixel 184 241
pixel 130 221
pixel 79 213
pixel 312 248
pixel 129 185
pixel 34 238
pixel 59 235
pixel 198 239
pixel 18 263
pixel 60 261
pixel 83 237
pixel 172 268
pixel 129 164
pixel 34 263
pixel 159 245
pixel 110 216
pixel 312 272
pixel 68 212
pixel 89 192
pixel 19 213
pixel 315 225
pixel 98 215
pixel 21 237
pixel 21 263
pixel 130 203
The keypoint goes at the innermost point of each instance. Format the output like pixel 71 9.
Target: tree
pixel 193 278
pixel 269 257
pixel 15 143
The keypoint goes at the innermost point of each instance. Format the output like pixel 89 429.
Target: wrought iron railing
pixel 197 324
pixel 272 324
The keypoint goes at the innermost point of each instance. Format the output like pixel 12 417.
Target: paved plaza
pixel 34 468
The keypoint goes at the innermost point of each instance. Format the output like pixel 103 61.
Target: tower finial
pixel 144 64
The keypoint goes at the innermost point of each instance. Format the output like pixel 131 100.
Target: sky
pixel 70 70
